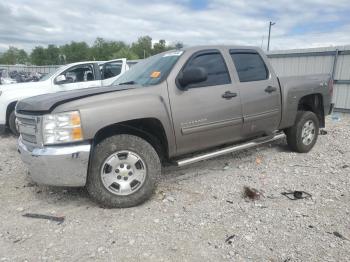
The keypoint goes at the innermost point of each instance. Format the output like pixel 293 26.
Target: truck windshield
pixel 150 71
pixel 47 76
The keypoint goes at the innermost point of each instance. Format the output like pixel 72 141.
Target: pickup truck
pixel 68 77
pixel 178 107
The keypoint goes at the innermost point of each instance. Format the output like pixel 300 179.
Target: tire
pixel 107 158
pixel 12 123
pixel 295 133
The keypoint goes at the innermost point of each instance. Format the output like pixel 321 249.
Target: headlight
pixel 62 128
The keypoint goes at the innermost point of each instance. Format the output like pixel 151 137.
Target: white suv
pixel 68 77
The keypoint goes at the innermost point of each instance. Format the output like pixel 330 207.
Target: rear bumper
pixel 57 165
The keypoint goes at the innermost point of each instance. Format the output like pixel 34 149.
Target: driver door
pixel 208 113
pixel 78 77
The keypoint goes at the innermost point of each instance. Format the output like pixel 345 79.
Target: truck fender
pixel 133 108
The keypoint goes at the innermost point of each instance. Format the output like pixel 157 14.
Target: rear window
pixel 250 66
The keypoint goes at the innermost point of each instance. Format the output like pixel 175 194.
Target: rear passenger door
pixel 259 90
pixel 208 113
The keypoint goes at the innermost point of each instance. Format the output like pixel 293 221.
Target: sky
pixel 299 23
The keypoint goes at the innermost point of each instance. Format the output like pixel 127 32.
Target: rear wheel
pixel 124 171
pixel 303 135
pixel 12 123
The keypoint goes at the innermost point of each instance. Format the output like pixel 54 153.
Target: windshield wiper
pixel 128 83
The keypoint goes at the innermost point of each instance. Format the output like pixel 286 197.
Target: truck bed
pixel 293 88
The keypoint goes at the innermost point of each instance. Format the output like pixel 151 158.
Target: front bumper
pixel 57 165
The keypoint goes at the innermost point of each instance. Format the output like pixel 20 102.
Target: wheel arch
pixel 313 103
pixel 11 106
pixel 149 129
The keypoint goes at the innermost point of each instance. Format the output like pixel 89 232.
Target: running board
pixel 253 143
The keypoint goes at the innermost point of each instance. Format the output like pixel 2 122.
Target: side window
pixel 111 69
pixel 250 66
pixel 83 73
pixel 215 66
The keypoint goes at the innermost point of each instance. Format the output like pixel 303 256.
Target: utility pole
pixel 268 40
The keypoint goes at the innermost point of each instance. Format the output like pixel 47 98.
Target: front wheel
pixel 123 172
pixel 303 135
pixel 12 123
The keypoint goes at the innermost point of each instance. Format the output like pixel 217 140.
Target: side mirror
pixel 192 75
pixel 61 79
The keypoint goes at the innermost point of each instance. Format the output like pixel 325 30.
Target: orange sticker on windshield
pixel 155 74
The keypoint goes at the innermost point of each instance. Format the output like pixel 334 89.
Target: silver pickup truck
pixel 181 106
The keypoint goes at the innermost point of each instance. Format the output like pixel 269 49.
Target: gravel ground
pixel 198 212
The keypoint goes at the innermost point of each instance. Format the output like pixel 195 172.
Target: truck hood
pixel 46 103
pixel 20 86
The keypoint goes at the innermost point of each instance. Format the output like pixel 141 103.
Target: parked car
pixel 24 76
pixel 180 107
pixel 69 77
pixel 5 79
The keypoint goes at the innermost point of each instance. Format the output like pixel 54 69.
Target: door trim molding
pixel 211 126
pixel 262 115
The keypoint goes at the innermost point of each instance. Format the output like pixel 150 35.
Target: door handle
pixel 229 95
pixel 270 89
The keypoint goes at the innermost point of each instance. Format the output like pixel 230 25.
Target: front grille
pixel 26 121
pixel 28 128
pixel 29 138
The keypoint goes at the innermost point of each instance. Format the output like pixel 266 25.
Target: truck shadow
pixel 62 196
pixel 171 175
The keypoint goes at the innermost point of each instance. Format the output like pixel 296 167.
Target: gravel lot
pixel 194 210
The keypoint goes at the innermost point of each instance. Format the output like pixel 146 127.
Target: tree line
pixel 101 49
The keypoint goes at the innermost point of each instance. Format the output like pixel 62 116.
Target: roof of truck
pixel 201 47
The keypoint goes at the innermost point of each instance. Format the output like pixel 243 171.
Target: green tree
pixel 22 57
pixel 75 52
pixel 105 50
pixel 14 56
pixel 45 56
pixel 38 57
pixel 125 52
pixel 159 47
pixel 81 51
pixel 143 47
pixel 52 54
